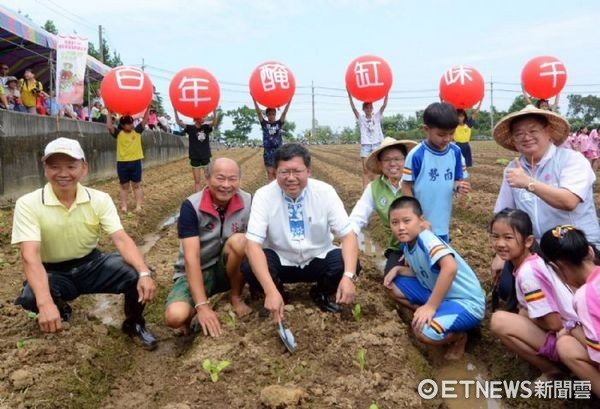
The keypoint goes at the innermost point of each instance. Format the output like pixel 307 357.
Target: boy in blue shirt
pixel 435 169
pixel 439 286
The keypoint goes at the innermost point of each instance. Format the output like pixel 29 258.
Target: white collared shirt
pixel 324 216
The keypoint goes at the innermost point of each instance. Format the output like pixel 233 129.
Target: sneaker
pixel 323 302
pixel 141 335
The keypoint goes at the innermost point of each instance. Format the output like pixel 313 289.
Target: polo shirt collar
pixel 50 198
pixel 547 156
pixel 207 205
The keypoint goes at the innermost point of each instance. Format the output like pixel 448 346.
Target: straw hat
pixel 559 127
pixel 373 161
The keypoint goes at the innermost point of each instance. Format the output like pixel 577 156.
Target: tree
pixel 349 135
pixel 50 27
pixel 518 104
pixel 111 61
pixel 586 109
pixel 243 118
pixel 287 131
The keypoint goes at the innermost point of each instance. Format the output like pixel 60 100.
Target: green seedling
pixel 373 406
pixel 214 369
pixel 361 358
pixel 357 312
pixel 502 161
pixel 32 315
pixel 21 343
pixel 230 320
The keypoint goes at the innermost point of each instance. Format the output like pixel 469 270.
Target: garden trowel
pixel 287 337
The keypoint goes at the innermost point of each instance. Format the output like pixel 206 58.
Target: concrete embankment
pixel 24 136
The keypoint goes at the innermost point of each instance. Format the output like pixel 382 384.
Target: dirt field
pixel 92 365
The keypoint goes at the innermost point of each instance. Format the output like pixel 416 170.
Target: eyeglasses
pixel 395 160
pixel 288 172
pixel 535 132
pixel 560 231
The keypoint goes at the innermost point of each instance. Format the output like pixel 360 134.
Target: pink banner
pixel 71 56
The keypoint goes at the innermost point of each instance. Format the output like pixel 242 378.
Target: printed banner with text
pixel 71 57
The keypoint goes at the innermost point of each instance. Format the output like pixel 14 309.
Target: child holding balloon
pixel 129 157
pixel 199 144
pixel 462 133
pixel 272 139
pixel 371 134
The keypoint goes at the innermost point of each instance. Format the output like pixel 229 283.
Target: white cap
pixel 66 146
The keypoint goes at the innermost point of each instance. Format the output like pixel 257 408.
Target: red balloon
pixel 194 92
pixel 462 86
pixel 126 90
pixel 544 77
pixel 368 78
pixel 272 84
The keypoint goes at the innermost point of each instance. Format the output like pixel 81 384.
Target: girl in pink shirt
pixel 578 343
pixel 545 303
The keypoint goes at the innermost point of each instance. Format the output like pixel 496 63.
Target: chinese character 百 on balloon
pixel 126 90
pixel 462 86
pixel 272 84
pixel 368 78
pixel 194 92
pixel 544 77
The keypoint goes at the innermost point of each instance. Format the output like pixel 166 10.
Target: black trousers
pixel 326 272
pixel 95 273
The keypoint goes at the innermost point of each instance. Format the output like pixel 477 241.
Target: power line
pixel 64 16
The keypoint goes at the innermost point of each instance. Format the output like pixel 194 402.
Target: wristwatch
pixel 531 185
pixel 146 274
pixel 350 275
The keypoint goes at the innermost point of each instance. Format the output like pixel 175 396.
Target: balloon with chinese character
pixel 194 92
pixel 272 84
pixel 544 77
pixel 368 78
pixel 126 90
pixel 462 86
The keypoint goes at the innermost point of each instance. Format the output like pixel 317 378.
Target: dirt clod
pixel 279 397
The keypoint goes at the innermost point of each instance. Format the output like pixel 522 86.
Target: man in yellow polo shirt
pixel 57 228
pixel 129 157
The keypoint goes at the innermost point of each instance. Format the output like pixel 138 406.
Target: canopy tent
pixel 24 44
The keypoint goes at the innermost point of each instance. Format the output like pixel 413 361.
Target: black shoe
pixel 323 302
pixel 141 335
pixel 65 310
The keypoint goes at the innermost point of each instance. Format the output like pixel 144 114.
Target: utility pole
pixel 492 104
pixel 313 131
pixel 143 65
pixel 101 44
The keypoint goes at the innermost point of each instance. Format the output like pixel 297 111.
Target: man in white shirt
pixel 290 237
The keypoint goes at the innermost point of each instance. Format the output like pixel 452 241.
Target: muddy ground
pixel 92 365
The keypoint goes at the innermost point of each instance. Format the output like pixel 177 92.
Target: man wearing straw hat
pixel 552 185
pixel 387 161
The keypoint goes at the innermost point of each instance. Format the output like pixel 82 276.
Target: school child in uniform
pixel 439 286
pixel 545 302
pixel 578 343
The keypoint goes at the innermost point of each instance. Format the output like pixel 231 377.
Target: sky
pixel 318 39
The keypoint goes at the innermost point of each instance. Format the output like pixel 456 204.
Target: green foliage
pixel 32 315
pixel 230 320
pixel 518 104
pixel 21 343
pixel 357 312
pixel 349 135
pixel 50 27
pixel 586 109
pixel 113 60
pixel 502 161
pixel 373 406
pixel 214 369
pixel 287 131
pixel 361 358
pixel 243 118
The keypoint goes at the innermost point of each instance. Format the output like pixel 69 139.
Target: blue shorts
pixel 130 171
pixel 450 316
pixel 367 148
